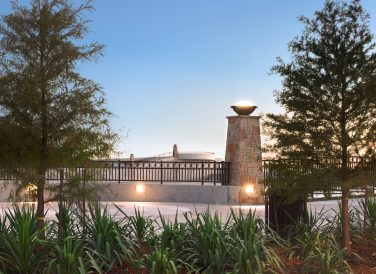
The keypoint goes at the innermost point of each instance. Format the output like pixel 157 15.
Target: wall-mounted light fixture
pixel 139 188
pixel 249 189
pixel 30 189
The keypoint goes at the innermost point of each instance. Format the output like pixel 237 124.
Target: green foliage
pixel 329 86
pixel 23 251
pixel 67 257
pixel 334 221
pixel 313 240
pixel 370 209
pixel 50 115
pixel 139 228
pixel 328 94
pixel 160 262
pixel 248 246
pixel 64 225
pixel 329 255
pixel 42 94
pixel 202 243
pixel 104 236
pixel 3 230
pixel 366 217
pixel 294 178
pixel 207 238
pixel 74 191
pixel 173 234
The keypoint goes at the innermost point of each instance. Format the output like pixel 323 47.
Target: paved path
pixel 170 209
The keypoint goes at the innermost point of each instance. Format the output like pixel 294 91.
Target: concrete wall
pixel 177 193
pixel 167 193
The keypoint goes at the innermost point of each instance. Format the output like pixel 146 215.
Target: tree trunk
pixel 40 202
pixel 41 179
pixel 345 218
pixel 365 209
pixel 345 188
pixel 60 227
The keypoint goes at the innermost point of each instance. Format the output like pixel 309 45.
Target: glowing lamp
pixel 30 188
pixel 139 188
pixel 249 189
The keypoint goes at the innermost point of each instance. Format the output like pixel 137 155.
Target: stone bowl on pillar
pixel 244 110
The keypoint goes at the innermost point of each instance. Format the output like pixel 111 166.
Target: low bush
pixel 97 242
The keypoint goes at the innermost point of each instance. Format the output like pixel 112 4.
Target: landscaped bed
pixel 202 243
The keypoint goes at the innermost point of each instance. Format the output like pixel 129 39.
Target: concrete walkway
pixel 170 209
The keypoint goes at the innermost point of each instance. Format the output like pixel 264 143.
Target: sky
pixel 173 68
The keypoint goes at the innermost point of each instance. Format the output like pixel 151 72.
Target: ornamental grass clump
pixel 99 242
pixel 106 246
pixel 162 261
pixel 313 241
pixel 172 234
pixel 23 250
pixel 248 247
pixel 68 257
pixel 371 213
pixel 207 239
pixel 328 255
pixel 139 228
pixel 366 217
pixel 65 224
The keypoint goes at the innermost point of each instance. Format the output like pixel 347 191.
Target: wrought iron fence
pixel 154 171
pixel 362 171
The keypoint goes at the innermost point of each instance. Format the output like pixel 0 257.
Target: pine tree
pixel 328 93
pixel 50 115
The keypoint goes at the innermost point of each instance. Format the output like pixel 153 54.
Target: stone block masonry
pixel 243 151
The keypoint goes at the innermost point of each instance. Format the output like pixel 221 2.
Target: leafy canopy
pixel 329 87
pixel 50 114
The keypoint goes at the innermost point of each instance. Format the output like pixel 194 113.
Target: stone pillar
pixel 243 151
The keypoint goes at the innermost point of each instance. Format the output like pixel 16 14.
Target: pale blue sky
pixel 172 68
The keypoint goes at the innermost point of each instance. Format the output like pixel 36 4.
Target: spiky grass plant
pixel 173 239
pixel 329 256
pixel 3 232
pixel 203 243
pixel 68 257
pixel 65 224
pixel 371 213
pixel 334 221
pixel 162 261
pixel 24 251
pixel 139 228
pixel 314 241
pixel 106 246
pixel 304 235
pixel 172 234
pixel 248 245
pixel 366 217
pixel 208 241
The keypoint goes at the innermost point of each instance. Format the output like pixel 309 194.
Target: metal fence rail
pixel 155 171
pixel 362 171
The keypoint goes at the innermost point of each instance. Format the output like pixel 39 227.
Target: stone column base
pixel 257 197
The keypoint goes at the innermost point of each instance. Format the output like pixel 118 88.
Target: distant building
pixel 177 155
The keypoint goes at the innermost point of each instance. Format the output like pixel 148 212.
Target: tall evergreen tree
pixel 329 93
pixel 50 115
